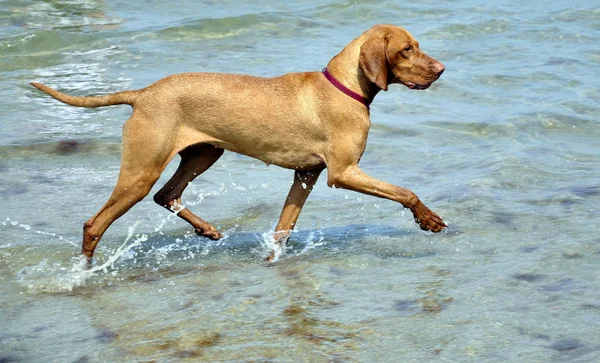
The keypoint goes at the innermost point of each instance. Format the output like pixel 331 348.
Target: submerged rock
pixel 566 345
pixel 68 146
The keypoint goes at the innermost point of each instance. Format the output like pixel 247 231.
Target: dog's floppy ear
pixel 373 61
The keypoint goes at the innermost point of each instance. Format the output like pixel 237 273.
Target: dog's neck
pixel 345 89
pixel 353 77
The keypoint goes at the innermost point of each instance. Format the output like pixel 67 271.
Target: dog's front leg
pixel 304 182
pixel 353 178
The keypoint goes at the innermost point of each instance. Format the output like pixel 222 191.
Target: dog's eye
pixel 408 48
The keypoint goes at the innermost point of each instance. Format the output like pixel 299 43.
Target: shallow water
pixel 504 146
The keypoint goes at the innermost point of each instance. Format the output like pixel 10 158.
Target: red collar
pixel 345 89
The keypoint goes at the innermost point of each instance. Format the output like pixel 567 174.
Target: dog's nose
pixel 438 68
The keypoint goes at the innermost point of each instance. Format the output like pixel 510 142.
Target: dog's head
pixel 391 55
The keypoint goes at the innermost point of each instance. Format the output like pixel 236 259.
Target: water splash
pixel 28 228
pixel 57 278
pixel 313 241
pixel 274 247
pixel 121 251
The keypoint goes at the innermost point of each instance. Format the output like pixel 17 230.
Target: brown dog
pixel 301 121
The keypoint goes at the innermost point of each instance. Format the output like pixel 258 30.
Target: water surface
pixel 504 146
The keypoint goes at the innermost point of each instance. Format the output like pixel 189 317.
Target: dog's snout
pixel 438 68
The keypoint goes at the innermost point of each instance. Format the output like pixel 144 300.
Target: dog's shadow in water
pixel 338 239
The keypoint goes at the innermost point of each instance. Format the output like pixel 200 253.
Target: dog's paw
pixel 270 257
pixel 427 219
pixel 209 232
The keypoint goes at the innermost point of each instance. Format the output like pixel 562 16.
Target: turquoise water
pixel 504 147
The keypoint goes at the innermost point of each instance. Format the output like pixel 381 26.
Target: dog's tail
pixel 119 98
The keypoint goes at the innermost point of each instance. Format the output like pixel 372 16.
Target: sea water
pixel 504 147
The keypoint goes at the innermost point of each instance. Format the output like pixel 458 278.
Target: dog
pixel 307 122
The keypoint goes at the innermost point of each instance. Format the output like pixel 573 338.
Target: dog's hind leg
pixel 304 182
pixel 195 160
pixel 144 156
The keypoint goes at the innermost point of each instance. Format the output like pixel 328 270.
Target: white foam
pixel 56 278
pixel 312 241
pixel 271 246
pixel 123 249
